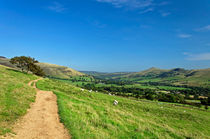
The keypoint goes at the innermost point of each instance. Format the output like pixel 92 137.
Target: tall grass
pixel 15 97
pixel 93 115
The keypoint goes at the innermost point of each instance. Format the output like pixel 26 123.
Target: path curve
pixel 42 119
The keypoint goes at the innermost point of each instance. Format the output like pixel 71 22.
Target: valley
pixel 149 106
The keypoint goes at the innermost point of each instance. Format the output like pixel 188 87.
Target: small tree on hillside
pixel 28 64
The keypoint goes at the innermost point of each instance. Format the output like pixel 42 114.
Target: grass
pixel 15 97
pixel 93 115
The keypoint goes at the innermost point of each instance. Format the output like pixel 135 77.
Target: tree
pixel 19 62
pixel 23 62
pixel 28 64
pixel 36 70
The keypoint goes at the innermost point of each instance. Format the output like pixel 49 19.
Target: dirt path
pixel 42 119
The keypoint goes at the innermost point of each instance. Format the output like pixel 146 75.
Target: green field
pixel 87 80
pixel 93 115
pixel 15 96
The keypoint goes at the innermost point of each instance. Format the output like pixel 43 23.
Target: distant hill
pixel 50 70
pixel 105 75
pixel 152 72
pixel 177 76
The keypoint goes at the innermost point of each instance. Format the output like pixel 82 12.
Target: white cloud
pixel 198 57
pixel 57 7
pixel 184 36
pixel 206 28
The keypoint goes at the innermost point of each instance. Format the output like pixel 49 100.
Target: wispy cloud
pixel 147 10
pixel 129 3
pixel 205 28
pixel 144 6
pixel 163 3
pixel 198 57
pixel 57 7
pixel 164 14
pixel 184 36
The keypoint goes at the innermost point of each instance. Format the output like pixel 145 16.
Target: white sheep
pixel 90 91
pixel 82 89
pixel 110 94
pixel 115 102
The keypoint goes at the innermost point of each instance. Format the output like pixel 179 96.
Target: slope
pixel 15 96
pixel 4 61
pixel 93 115
pixel 105 75
pixel 177 76
pixel 58 71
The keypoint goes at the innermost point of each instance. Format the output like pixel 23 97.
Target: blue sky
pixel 108 35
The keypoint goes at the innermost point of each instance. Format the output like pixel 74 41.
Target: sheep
pixel 90 91
pixel 110 94
pixel 82 89
pixel 115 102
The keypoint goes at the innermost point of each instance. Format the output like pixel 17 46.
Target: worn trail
pixel 42 119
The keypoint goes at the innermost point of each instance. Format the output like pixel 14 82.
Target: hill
pixel 4 61
pixel 152 72
pixel 58 71
pixel 51 70
pixel 105 75
pixel 177 76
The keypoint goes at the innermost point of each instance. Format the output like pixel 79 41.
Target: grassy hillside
pixel 176 76
pixel 105 75
pixel 15 96
pixel 5 62
pixel 57 71
pixel 93 115
pixel 51 70
pixel 152 72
